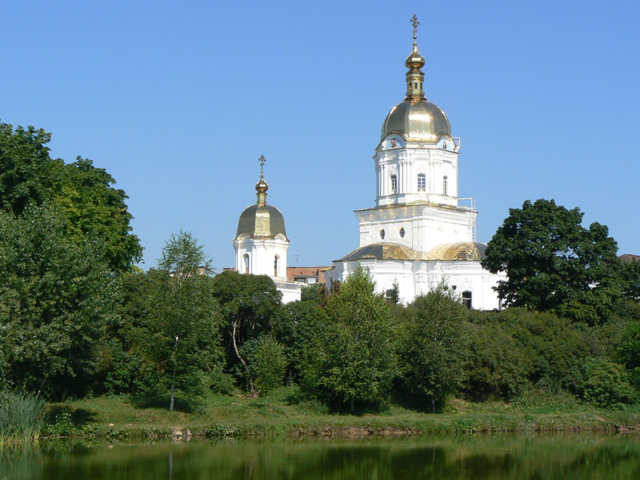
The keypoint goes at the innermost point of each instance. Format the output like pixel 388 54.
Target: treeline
pixel 78 319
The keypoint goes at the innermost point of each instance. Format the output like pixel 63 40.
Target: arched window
pixel 444 184
pixel 246 263
pixel 422 182
pixel 394 184
pixel 275 265
pixel 466 298
pixel 402 232
pixel 382 234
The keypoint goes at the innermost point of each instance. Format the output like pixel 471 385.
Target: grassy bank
pixel 119 417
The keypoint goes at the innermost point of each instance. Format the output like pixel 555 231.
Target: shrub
pixel 22 415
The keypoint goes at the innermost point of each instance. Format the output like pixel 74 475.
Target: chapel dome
pixel 261 221
pixel 420 121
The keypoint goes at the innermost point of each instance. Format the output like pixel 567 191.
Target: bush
pixel 605 384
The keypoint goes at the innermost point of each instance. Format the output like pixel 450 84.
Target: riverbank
pixel 238 415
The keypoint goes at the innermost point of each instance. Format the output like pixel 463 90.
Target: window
pixel 444 184
pixel 466 299
pixel 394 184
pixel 402 233
pixel 382 234
pixel 275 265
pixel 422 182
pixel 246 263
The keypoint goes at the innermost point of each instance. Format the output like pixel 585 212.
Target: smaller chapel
pixel 261 242
pixel 420 233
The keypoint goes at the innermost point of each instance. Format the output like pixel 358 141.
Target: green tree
pixel 555 264
pixel 56 297
pixel 84 194
pixel 267 363
pixel 27 173
pixel 355 362
pixel 183 325
pixel 94 208
pixel 248 304
pixel 433 349
pixel 296 325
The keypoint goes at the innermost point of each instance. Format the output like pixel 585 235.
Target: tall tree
pixel 433 347
pixel 555 264
pixel 56 296
pixel 93 208
pixel 355 362
pixel 248 303
pixel 183 325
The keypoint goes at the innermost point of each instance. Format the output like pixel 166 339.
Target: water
pixel 467 457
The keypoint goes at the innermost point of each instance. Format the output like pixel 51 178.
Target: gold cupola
pixel 416 119
pixel 261 220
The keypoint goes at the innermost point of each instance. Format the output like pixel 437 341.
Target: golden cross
pixel 415 23
pixel 262 162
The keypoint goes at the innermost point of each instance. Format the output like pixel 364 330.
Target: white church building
pixel 420 233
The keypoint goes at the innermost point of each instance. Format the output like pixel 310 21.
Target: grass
pixel 238 415
pixel 22 416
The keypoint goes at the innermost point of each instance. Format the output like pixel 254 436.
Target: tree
pixel 94 208
pixel 183 326
pixel 248 303
pixel 354 363
pixel 56 297
pixel 27 173
pixel 82 193
pixel 267 363
pixel 433 349
pixel 555 264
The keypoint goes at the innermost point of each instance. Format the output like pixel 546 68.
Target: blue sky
pixel 178 100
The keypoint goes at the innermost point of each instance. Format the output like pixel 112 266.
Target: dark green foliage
pixel 606 384
pixel 354 363
pixel 495 366
pixel 629 351
pixel 27 175
pixel 56 298
pixel 296 325
pixel 247 304
pixel 433 349
pixel 93 210
pixel 555 264
pixel 267 363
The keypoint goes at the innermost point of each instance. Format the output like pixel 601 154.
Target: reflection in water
pixel 478 457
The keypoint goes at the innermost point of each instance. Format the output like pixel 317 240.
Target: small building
pixel 261 243
pixel 306 275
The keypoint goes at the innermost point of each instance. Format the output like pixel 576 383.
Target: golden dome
pixel 420 122
pixel 261 220
pixel 416 119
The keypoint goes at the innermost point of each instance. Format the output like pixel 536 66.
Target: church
pixel 420 233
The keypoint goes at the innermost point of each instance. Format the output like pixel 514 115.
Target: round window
pixel 402 233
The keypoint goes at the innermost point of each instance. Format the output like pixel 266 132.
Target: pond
pixel 465 457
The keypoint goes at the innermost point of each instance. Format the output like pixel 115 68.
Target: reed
pixel 22 416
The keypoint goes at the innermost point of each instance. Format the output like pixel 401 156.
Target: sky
pixel 178 100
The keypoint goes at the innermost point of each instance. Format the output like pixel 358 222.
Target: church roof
pixel 416 119
pixel 459 251
pixel 261 220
